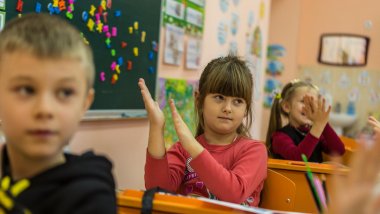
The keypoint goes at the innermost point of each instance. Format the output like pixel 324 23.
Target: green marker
pixel 309 174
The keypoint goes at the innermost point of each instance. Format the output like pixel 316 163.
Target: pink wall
pixel 283 30
pixel 124 141
pixel 344 16
pixel 298 24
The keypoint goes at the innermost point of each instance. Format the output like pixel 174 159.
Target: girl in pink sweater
pixel 222 162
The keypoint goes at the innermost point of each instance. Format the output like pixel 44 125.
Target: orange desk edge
pixel 300 166
pixel 172 203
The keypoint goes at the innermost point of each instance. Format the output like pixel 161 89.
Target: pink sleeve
pixel 283 145
pixel 166 172
pixel 332 143
pixel 236 185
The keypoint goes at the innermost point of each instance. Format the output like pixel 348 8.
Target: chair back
pixel 279 192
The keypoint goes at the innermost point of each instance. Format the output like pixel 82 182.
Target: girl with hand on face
pixel 307 131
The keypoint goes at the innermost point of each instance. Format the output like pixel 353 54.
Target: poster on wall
pixel 2 4
pixel 182 91
pixel 195 14
pixel 364 78
pixel 223 5
pixel 254 45
pixel 236 2
pixel 198 2
pixel 174 42
pixel 194 17
pixel 2 20
pixel 233 48
pixel 344 81
pixel 234 23
pixel 222 32
pixel 193 53
pixel 187 14
pixel 174 13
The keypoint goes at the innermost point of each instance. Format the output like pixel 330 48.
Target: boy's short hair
pixel 48 37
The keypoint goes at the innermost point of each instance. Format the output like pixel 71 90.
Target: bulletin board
pixel 123 53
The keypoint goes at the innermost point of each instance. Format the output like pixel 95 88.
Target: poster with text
pixel 193 53
pixel 174 44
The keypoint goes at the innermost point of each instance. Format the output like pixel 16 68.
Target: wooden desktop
pixel 295 171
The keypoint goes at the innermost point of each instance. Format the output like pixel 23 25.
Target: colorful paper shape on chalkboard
pixel 19 6
pixel 115 77
pixel 62 5
pixel 136 25
pixel 105 15
pixel 69 15
pixel 102 76
pixel 114 31
pixel 136 51
pixel 100 9
pixel 85 16
pixel 129 65
pixel 103 4
pixel 38 7
pixel 123 44
pixel 143 35
pixel 151 69
pixel 154 46
pixel 113 65
pixel 90 24
pixel 150 55
pixel 92 10
pixel 121 47
pixel 120 61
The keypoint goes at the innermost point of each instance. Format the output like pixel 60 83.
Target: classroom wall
pixel 124 141
pixel 321 16
pixel 347 16
pixel 283 29
pixel 298 25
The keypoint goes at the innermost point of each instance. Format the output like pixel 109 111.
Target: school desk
pixel 295 171
pixel 350 145
pixel 129 201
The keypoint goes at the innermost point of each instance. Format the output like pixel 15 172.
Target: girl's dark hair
pixel 229 76
pixel 286 95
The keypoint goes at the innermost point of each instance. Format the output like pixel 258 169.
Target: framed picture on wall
pixel 343 49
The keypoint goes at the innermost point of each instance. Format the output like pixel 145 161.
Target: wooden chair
pixel 279 192
pixel 349 143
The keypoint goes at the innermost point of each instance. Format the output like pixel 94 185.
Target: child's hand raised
pixel 185 136
pixel 316 110
pixel 155 115
pixel 359 191
pixel 373 122
pixel 375 125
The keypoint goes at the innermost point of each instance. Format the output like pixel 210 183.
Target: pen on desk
pixel 310 179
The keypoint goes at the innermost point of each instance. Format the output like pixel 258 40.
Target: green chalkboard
pixel 115 97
